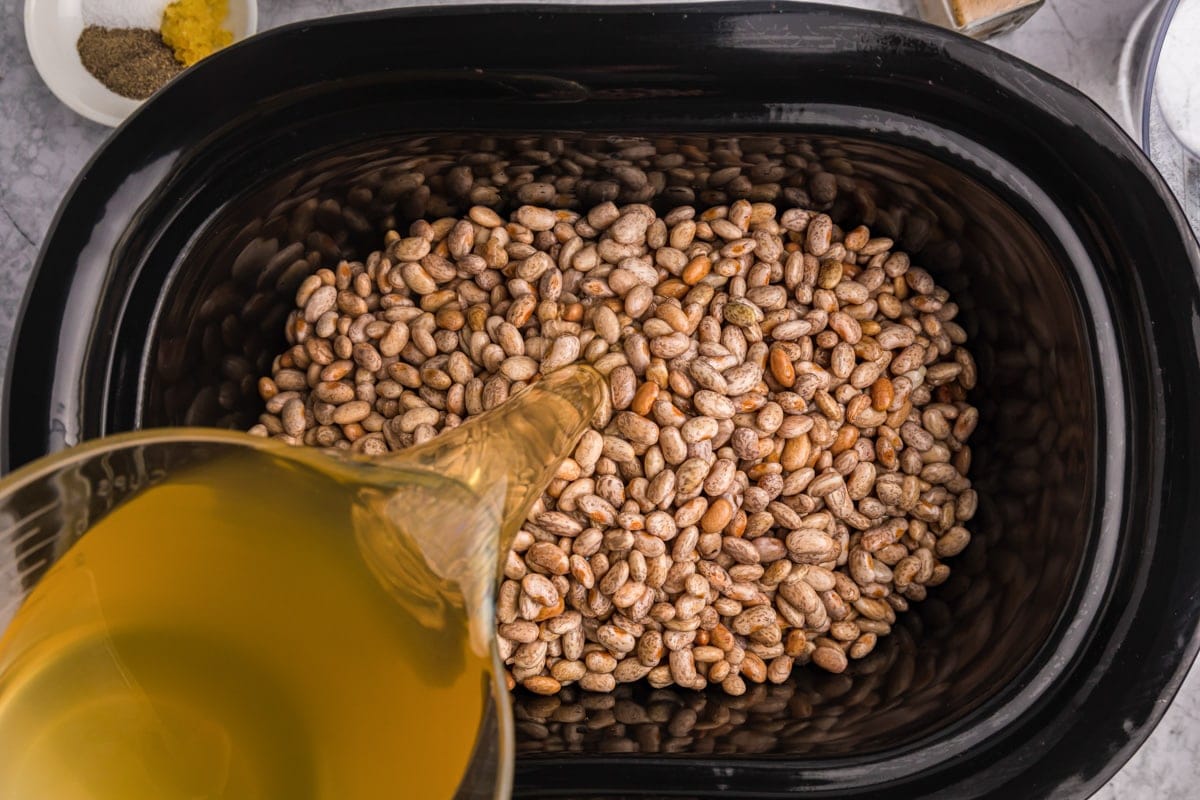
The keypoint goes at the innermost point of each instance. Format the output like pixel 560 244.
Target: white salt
pixel 1177 83
pixel 124 13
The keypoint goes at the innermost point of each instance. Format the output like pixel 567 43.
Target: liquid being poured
pixel 223 636
pixel 272 623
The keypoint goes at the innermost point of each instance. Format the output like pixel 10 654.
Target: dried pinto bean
pixel 782 466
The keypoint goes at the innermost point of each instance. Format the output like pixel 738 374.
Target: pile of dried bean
pixel 783 466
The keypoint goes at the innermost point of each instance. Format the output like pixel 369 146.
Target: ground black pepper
pixel 133 62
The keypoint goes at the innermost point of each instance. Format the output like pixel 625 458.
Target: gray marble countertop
pixel 43 146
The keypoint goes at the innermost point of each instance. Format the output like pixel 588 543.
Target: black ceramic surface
pixel 1071 619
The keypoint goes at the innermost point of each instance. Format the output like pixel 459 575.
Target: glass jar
pixel 1155 88
pixel 978 19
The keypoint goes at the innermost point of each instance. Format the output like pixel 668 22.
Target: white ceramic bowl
pixel 52 28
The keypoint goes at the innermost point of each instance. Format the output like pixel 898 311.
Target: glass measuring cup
pixel 428 527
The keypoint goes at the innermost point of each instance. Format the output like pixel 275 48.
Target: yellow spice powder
pixel 192 28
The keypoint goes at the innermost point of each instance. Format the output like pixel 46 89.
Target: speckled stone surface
pixel 43 146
